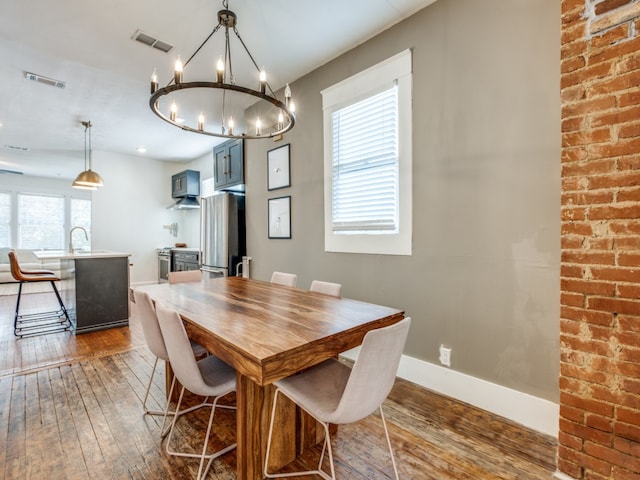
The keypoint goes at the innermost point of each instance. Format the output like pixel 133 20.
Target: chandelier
pixel 87 179
pixel 180 96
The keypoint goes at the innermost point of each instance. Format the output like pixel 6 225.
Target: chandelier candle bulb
pixel 220 70
pixel 178 72
pixel 230 125
pixel 154 82
pixel 173 111
pixel 201 122
pixel 258 127
pixel 263 81
pixel 280 121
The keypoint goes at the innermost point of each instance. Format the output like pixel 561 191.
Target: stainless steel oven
pixel 164 264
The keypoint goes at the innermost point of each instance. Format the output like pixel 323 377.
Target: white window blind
pixel 40 221
pixel 365 165
pixel 5 220
pixel 207 188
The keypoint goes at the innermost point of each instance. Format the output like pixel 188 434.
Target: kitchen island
pixel 95 287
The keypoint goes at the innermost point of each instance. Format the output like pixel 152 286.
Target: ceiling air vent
pixel 46 80
pixel 147 39
pixel 14 147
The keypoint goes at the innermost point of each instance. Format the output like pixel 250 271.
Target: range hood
pixel 184 203
pixel 185 188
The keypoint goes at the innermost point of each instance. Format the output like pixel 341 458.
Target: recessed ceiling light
pixel 141 150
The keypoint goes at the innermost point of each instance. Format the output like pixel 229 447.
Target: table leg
pixel 254 404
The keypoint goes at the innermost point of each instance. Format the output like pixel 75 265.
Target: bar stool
pixel 43 322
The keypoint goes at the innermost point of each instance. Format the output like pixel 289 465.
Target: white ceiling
pixel 89 46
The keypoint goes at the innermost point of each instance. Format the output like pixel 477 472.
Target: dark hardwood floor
pixel 70 408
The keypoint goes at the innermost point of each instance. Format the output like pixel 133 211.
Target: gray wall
pixel 484 275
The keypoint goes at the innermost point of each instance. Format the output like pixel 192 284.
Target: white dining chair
pixel 185 276
pixel 209 377
pixel 328 288
pixel 286 279
pixel 146 313
pixel 331 392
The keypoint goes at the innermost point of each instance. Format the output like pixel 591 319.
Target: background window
pixel 367 160
pixel 81 217
pixel 5 220
pixel 40 221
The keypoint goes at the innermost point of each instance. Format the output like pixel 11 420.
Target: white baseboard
pixel 532 412
pixel 562 476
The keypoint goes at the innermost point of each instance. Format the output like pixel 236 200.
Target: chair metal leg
pixel 43 322
pixel 327 443
pixel 62 307
pixel 201 473
pixel 386 433
pixel 15 319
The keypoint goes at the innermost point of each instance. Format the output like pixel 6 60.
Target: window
pixel 42 220
pixel 367 138
pixel 5 220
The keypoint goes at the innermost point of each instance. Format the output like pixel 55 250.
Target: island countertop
pixel 65 254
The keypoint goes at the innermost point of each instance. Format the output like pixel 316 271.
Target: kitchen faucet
pixel 71 237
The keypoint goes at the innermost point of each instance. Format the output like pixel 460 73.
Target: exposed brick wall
pixel 599 435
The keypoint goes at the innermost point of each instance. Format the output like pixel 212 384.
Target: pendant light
pixel 88 179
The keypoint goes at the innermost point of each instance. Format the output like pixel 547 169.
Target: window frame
pixel 395 70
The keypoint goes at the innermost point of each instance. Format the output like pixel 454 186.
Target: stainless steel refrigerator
pixel 222 233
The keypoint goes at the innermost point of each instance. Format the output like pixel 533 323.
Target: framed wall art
pixel 280 217
pixel 278 166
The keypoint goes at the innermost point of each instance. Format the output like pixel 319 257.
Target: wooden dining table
pixel 268 332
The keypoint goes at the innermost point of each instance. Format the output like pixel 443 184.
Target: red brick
pixel 587 404
pixel 629 163
pixel 570 468
pixel 571 271
pixel 628 416
pixel 598 422
pixel 571 214
pixel 588 168
pixel 626 99
pixel 608 5
pixel 629 323
pixel 625 228
pixel 614 51
pixel 629 259
pixel 587 106
pixel 612 456
pixel 617 149
pixel 571 243
pixel 628 291
pixel 574 184
pixel 576 139
pixel 574 32
pixel 577 228
pixel 590 258
pixel 586 461
pixel 574 94
pixel 568 6
pixel 587 74
pixel 584 375
pixel 570 441
pixel 610 36
pixel 573 154
pixel 572 299
pixel 630 370
pixel 572 64
pixel 614 305
pixel 585 432
pixel 628 446
pixel 630 355
pixel 631 386
pixel 631 195
pixel 616 84
pixel 587 345
pixel 628 131
pixel 598 332
pixel 627 339
pixel 629 64
pixel 616 274
pixel 584 315
pixel 615 117
pixel 614 212
pixel 587 198
pixel 603 243
pixel 570 327
pixel 587 286
pixel 624 179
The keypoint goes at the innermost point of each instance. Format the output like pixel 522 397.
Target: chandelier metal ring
pixel 161 92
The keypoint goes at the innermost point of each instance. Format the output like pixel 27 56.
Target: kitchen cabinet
pixel 185 261
pixel 185 184
pixel 228 164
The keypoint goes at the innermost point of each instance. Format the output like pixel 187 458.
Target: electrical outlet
pixel 445 356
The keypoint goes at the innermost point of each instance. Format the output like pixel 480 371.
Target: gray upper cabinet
pixel 228 164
